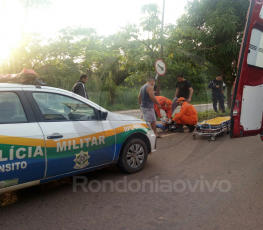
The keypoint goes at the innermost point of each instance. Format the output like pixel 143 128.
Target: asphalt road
pixel 137 112
pixel 196 185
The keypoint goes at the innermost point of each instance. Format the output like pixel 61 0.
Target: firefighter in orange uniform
pixel 187 116
pixel 166 105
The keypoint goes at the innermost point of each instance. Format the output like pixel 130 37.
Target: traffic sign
pixel 160 67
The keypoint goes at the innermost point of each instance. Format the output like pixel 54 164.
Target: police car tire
pixel 122 162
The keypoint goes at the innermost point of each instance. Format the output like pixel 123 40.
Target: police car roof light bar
pixel 25 77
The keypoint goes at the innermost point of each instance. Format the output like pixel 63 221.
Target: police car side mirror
pixel 103 115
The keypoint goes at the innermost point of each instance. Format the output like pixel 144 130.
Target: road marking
pixel 168 135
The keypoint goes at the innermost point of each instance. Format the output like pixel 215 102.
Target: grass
pixel 210 114
pixel 203 97
pixel 128 99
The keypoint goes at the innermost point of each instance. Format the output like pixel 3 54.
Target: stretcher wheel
pixel 213 138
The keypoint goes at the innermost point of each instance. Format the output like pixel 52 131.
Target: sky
pixel 106 16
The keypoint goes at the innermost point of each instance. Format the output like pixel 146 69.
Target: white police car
pixel 48 133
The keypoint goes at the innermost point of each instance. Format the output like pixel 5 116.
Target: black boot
pixel 191 128
pixel 179 129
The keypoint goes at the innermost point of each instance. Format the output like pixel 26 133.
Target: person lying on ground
pixel 165 121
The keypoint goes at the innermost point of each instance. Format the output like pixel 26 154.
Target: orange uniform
pixel 166 106
pixel 187 115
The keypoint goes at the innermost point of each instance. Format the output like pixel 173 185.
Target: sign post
pixel 160 69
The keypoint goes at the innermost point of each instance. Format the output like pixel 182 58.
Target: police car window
pixel 11 110
pixel 55 107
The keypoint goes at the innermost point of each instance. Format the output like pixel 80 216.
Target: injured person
pixel 187 116
pixel 167 124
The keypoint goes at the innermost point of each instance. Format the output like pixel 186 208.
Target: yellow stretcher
pixel 213 127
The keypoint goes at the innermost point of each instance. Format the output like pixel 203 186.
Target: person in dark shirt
pixel 79 87
pixel 218 88
pixel 183 89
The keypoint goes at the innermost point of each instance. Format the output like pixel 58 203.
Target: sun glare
pixel 16 20
pixel 10 26
pixel 7 44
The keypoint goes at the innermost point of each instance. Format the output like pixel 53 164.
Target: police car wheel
pixel 133 156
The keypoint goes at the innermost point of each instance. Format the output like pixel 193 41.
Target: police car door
pixel 74 135
pixel 247 106
pixel 22 146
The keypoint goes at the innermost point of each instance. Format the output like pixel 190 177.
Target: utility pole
pixel 161 54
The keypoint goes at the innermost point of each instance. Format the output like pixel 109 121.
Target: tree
pixel 139 54
pixel 123 59
pixel 213 29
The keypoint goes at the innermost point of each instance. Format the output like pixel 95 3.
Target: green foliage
pixel 127 98
pixel 210 114
pixel 213 30
pixel 151 21
pixel 205 41
pixel 111 88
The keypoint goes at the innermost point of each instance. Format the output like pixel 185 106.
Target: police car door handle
pixel 55 137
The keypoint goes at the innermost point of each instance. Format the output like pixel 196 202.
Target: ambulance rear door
pixel 247 105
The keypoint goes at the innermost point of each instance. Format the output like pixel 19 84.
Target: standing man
pixel 147 100
pixel 183 89
pixel 218 88
pixel 79 87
